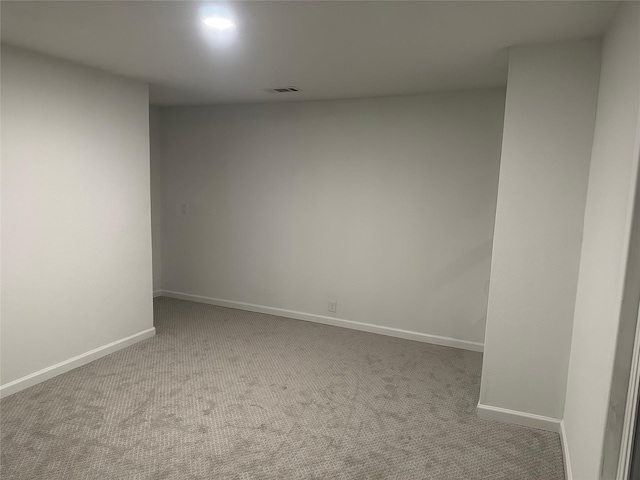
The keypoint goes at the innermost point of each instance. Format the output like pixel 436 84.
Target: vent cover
pixel 284 90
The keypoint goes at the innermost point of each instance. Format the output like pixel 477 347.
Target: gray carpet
pixel 225 394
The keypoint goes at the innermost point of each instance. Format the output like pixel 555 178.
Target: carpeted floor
pixel 225 394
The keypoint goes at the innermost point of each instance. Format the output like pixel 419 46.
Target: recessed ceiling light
pixel 218 23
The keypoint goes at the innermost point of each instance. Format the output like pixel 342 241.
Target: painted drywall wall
pixel 156 192
pixel 548 129
pixel 384 205
pixel 76 246
pixel 607 225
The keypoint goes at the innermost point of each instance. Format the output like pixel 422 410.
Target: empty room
pixel 320 240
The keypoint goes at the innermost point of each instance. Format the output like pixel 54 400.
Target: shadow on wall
pixel 462 264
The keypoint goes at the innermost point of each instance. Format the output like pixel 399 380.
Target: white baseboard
pixel 157 293
pixel 519 418
pixel 530 420
pixel 568 475
pixel 75 362
pixel 338 322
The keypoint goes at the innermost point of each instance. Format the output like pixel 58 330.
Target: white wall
pixel 385 205
pixel 548 127
pixel 76 246
pixel 156 195
pixel 607 225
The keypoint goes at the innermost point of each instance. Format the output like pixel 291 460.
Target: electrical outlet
pixel 184 209
pixel 333 306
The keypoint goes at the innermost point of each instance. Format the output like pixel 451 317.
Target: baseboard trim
pixel 568 474
pixel 157 293
pixel 75 362
pixel 519 418
pixel 337 322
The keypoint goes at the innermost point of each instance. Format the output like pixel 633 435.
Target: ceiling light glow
pixel 218 23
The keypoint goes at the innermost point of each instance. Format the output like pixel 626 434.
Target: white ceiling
pixel 328 49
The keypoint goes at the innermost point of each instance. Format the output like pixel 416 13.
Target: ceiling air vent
pixel 284 90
